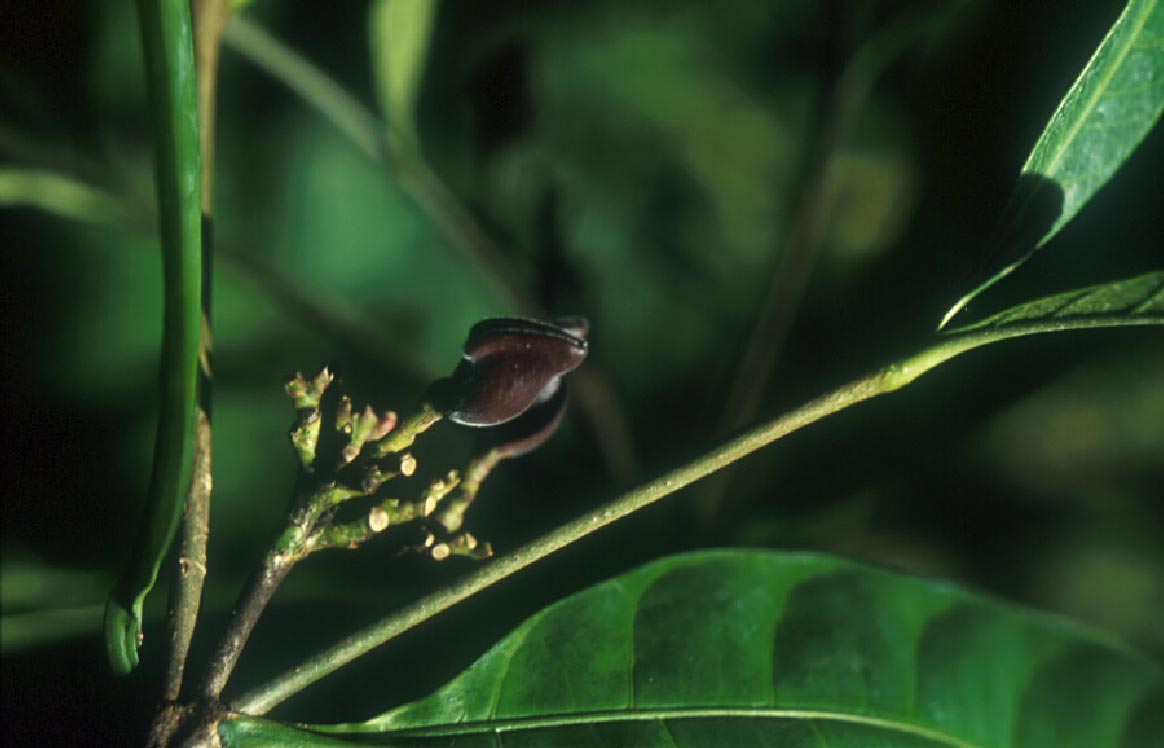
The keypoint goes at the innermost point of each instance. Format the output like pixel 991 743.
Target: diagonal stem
pixel 209 18
pixel 803 241
pixel 889 379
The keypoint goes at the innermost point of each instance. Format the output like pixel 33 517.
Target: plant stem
pixel 888 379
pixel 277 564
pixel 342 109
pixel 891 378
pixel 209 18
pixel 802 243
pixel 191 567
pixel 330 318
pixel 170 80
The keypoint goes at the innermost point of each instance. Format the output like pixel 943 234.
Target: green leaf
pixel 779 649
pixel 45 604
pixel 60 195
pixel 1112 105
pixel 1124 303
pixel 1135 301
pixel 400 31
pixel 171 82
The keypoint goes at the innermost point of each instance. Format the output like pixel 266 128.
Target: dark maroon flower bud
pixel 530 430
pixel 510 364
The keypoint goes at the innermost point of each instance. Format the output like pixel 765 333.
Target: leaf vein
pixel 549 721
pixel 1106 74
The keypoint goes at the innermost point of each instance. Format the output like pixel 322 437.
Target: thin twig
pixel 800 249
pixel 209 17
pixel 803 241
pixel 376 139
pixel 310 527
pixel 330 317
pixel 191 567
pixel 340 108
pixel 276 566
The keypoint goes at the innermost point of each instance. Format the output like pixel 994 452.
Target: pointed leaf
pixel 400 31
pixel 1134 301
pixel 1114 103
pixel 778 649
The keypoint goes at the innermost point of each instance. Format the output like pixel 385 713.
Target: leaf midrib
pixel 1088 105
pixel 545 721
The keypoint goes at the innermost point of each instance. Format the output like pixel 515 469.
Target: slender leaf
pixel 167 41
pixel 1135 301
pixel 400 31
pixel 60 195
pixel 44 604
pixel 52 624
pixel 782 649
pixel 341 108
pixel 1112 105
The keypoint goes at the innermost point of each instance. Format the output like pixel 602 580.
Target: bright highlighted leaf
pixel 778 649
pixel 1114 103
pixel 59 195
pixel 1108 111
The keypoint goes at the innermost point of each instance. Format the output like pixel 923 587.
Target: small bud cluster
pixel 361 433
pixel 509 383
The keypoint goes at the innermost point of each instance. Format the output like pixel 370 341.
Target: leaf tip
pixel 959 306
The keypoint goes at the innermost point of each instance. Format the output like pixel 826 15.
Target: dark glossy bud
pixel 530 430
pixel 509 365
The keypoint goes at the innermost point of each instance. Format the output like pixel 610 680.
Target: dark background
pixel 639 163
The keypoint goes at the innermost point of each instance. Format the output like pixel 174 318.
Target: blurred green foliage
pixel 640 163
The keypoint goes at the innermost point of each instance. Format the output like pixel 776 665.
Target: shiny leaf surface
pixel 1112 105
pixel 779 649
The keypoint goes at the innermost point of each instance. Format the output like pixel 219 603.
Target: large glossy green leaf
pixel 725 648
pixel 1112 105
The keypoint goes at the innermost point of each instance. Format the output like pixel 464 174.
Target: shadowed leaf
pixel 1135 301
pixel 779 649
pixel 1114 103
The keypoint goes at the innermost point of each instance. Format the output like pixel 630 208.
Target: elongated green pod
pixel 171 81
